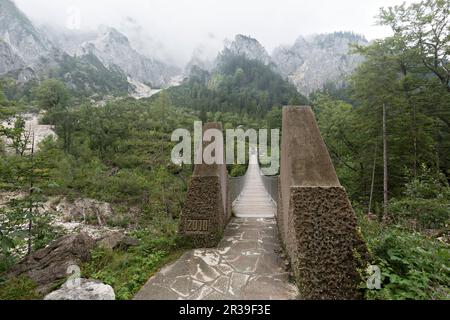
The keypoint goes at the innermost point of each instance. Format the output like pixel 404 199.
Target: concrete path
pixel 246 265
pixel 254 201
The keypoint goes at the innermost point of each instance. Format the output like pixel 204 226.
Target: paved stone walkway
pixel 246 265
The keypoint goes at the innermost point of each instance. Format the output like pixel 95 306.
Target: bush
pixel 428 184
pixel 238 170
pixel 412 266
pixel 421 214
pixel 426 204
pixel 21 288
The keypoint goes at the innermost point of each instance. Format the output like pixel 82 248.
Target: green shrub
pixel 428 184
pixel 412 266
pixel 426 204
pixel 6 262
pixel 421 213
pixel 21 288
pixel 238 170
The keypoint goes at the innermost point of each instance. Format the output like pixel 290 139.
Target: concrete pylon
pixel 317 223
pixel 206 211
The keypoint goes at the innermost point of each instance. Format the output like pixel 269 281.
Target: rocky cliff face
pixel 315 60
pixel 101 62
pixel 20 42
pixel 248 47
pixel 9 60
pixel 113 48
pixel 27 52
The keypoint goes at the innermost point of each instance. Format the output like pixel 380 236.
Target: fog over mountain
pixel 173 29
pixel 120 46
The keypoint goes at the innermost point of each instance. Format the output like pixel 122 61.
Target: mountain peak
pixel 240 37
pixel 20 38
pixel 114 49
pixel 248 47
pixel 113 35
pixel 9 8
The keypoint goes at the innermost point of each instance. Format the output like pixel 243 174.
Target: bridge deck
pixel 254 201
pixel 246 265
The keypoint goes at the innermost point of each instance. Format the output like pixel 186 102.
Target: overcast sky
pixel 182 25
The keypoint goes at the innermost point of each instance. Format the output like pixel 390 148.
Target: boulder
pixel 84 290
pixel 48 265
pixel 115 239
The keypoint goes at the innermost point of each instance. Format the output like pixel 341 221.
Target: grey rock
pixel 241 45
pixel 40 131
pixel 33 55
pixel 313 61
pixel 113 48
pixel 9 60
pixel 86 210
pixel 250 48
pixel 22 42
pixel 50 264
pixel 84 290
pixel 115 239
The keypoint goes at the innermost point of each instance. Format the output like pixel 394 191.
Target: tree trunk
pixel 30 219
pixel 385 164
pixel 373 179
pixel 414 129
pixel 413 109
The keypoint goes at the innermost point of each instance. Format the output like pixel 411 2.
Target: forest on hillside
pixel 238 85
pixel 387 131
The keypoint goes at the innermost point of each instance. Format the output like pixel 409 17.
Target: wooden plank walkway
pixel 254 201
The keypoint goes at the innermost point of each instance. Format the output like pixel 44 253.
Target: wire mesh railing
pixel 271 185
pixel 236 185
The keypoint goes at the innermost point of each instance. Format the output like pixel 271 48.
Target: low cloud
pixel 175 28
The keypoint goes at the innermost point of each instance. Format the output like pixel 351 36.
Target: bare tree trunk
pixel 30 219
pixel 385 164
pixel 415 140
pixel 413 109
pixel 373 179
